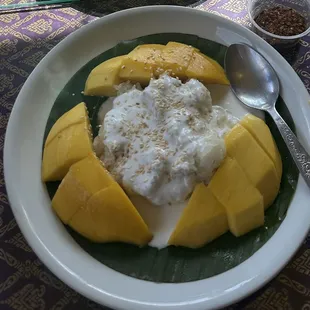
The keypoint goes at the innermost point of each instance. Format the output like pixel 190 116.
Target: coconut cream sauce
pixel 160 142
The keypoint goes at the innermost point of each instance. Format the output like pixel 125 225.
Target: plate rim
pixel 55 265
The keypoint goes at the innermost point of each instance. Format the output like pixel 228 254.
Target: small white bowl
pixel 31 204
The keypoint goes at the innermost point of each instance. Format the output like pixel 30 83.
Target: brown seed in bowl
pixel 282 21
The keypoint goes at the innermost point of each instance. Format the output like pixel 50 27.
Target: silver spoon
pixel 255 83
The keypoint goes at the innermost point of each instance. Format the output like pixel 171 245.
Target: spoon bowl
pixel 252 78
pixel 255 83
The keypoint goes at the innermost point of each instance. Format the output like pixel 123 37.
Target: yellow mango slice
pixel 69 146
pixel 255 163
pixel 66 148
pixel 84 179
pixel 222 79
pixel 69 197
pixel 82 222
pixel 175 58
pixel 116 219
pixel 203 220
pixel 109 216
pixel 92 203
pixel 260 131
pixel 206 70
pixel 242 201
pixel 78 114
pixel 140 64
pixel 103 79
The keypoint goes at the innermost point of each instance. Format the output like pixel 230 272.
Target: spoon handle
pixel 299 154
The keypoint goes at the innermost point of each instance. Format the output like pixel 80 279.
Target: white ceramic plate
pixel 31 204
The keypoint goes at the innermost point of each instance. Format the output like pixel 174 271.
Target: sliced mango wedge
pixel 69 141
pixel 93 204
pixel 206 70
pixel 242 201
pixel 103 78
pixel 77 114
pixel 203 220
pixel 140 65
pixel 175 58
pixel 255 163
pixel 82 222
pixel 260 131
pixel 116 218
pixel 84 179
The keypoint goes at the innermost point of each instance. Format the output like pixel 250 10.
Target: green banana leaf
pixel 176 264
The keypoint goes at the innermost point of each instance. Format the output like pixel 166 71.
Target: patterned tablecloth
pixel 25 283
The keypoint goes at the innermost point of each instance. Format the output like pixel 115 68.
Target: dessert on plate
pixel 165 147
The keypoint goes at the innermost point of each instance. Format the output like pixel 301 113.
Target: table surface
pixel 25 283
